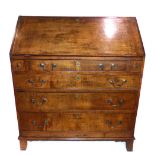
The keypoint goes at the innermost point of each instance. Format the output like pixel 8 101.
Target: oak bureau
pixel 77 78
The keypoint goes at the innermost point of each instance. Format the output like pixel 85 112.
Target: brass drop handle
pixel 101 66
pixel 42 82
pixel 45 123
pixel 109 101
pixel 43 100
pixel 42 65
pixel 54 66
pixel 110 124
pixel 113 66
pixel 120 102
pixel 33 101
pixel 124 80
pixel 116 82
pixel 31 81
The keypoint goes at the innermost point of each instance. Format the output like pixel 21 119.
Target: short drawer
pixel 136 66
pixel 48 102
pixel 20 65
pixel 43 66
pixel 74 80
pixel 76 121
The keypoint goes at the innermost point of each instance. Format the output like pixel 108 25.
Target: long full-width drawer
pixel 47 102
pixel 77 121
pixel 74 80
pixel 44 66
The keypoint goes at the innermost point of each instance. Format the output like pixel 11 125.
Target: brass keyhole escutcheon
pixel 77 65
pixel 78 77
pixel 42 66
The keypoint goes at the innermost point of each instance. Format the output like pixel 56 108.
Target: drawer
pixel 48 102
pixel 31 81
pixel 76 121
pixel 74 80
pixel 42 66
pixel 136 66
pixel 20 65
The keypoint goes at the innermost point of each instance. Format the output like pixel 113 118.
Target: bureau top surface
pixel 77 36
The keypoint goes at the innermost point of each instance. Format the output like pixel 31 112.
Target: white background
pixel 145 126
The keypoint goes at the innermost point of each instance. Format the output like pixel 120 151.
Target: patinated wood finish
pixel 77 78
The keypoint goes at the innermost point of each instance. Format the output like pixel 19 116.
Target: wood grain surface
pixel 77 78
pixel 89 36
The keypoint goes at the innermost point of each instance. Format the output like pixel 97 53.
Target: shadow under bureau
pixel 77 78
